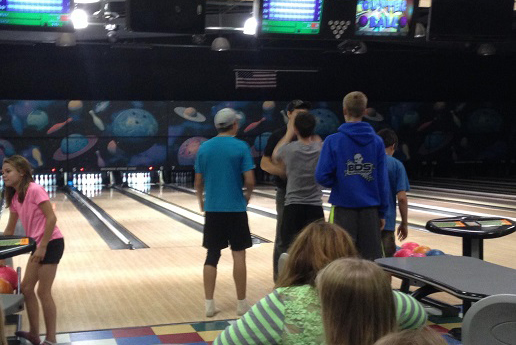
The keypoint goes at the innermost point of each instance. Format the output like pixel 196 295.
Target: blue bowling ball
pixel 434 252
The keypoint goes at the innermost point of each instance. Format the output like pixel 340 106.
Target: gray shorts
pixel 363 225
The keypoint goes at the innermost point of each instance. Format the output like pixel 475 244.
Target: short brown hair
pixel 355 103
pixel 421 336
pixel 357 302
pixel 318 244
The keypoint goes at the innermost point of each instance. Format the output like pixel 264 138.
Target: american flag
pixel 255 78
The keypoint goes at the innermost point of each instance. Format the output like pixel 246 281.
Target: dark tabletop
pixel 462 276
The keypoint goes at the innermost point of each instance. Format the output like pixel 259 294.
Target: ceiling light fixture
pixel 79 19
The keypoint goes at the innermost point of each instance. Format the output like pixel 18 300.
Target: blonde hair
pixel 22 165
pixel 355 104
pixel 357 302
pixel 421 336
pixel 318 244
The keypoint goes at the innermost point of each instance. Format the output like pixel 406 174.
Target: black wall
pixel 142 72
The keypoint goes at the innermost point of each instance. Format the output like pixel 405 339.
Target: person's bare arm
pixel 50 224
pixel 276 169
pixel 11 224
pixel 287 138
pixel 199 190
pixel 403 207
pixel 249 182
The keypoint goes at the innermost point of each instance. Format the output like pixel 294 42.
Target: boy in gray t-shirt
pixel 303 203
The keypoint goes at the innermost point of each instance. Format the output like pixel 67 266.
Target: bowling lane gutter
pixel 113 233
pixel 252 208
pixel 174 211
pixel 455 191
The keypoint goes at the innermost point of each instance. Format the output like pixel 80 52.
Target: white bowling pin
pixel 97 121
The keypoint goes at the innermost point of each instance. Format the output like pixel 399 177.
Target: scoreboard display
pixel 302 17
pixel 46 15
pixel 336 19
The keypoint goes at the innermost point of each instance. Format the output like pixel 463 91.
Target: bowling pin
pixel 58 126
pixel 36 153
pixel 100 161
pixel 97 121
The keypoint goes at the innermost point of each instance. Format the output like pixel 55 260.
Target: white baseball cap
pixel 226 117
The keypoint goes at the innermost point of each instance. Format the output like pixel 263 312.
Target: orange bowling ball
pixel 422 249
pixel 5 287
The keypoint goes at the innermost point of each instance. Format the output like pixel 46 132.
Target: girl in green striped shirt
pixel 291 314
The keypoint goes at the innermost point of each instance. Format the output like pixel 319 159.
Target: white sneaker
pixel 210 308
pixel 242 307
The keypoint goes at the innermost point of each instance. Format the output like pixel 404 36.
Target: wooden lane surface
pixel 106 289
pixel 262 226
pixel 152 227
pixel 72 224
pixel 144 287
pixel 469 209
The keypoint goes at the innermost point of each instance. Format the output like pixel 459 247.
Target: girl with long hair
pixel 30 203
pixel 358 290
pixel 291 314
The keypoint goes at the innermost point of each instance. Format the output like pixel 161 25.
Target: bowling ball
pixel 134 129
pixel 422 249
pixel 484 120
pixel 5 287
pixel 327 122
pixel 403 253
pixel 398 248
pixel 9 274
pixel 434 252
pixel 417 255
pixel 410 246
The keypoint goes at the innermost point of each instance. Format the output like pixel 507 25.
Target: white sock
pixel 210 307
pixel 242 307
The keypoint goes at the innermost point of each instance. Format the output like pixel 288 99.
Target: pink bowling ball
pixel 410 246
pixel 403 253
pixel 9 274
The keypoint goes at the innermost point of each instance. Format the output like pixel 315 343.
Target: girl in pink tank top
pixel 30 203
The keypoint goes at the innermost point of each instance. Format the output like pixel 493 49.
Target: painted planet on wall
pixel 434 142
pixel 188 150
pixel 190 114
pixel 261 141
pixel 37 119
pixel 74 145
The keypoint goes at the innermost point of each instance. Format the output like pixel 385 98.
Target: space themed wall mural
pixel 104 135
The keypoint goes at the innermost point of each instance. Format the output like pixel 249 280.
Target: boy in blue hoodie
pixel 352 164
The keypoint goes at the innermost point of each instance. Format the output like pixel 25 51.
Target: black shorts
pixel 223 228
pixel 295 218
pixel 388 243
pixel 55 249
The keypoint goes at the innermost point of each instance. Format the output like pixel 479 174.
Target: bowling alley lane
pixel 79 234
pixel 497 250
pixel 260 225
pixel 152 227
pixel 467 206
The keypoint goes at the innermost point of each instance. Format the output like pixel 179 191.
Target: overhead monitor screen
pixel 291 17
pixel 384 17
pixel 36 15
